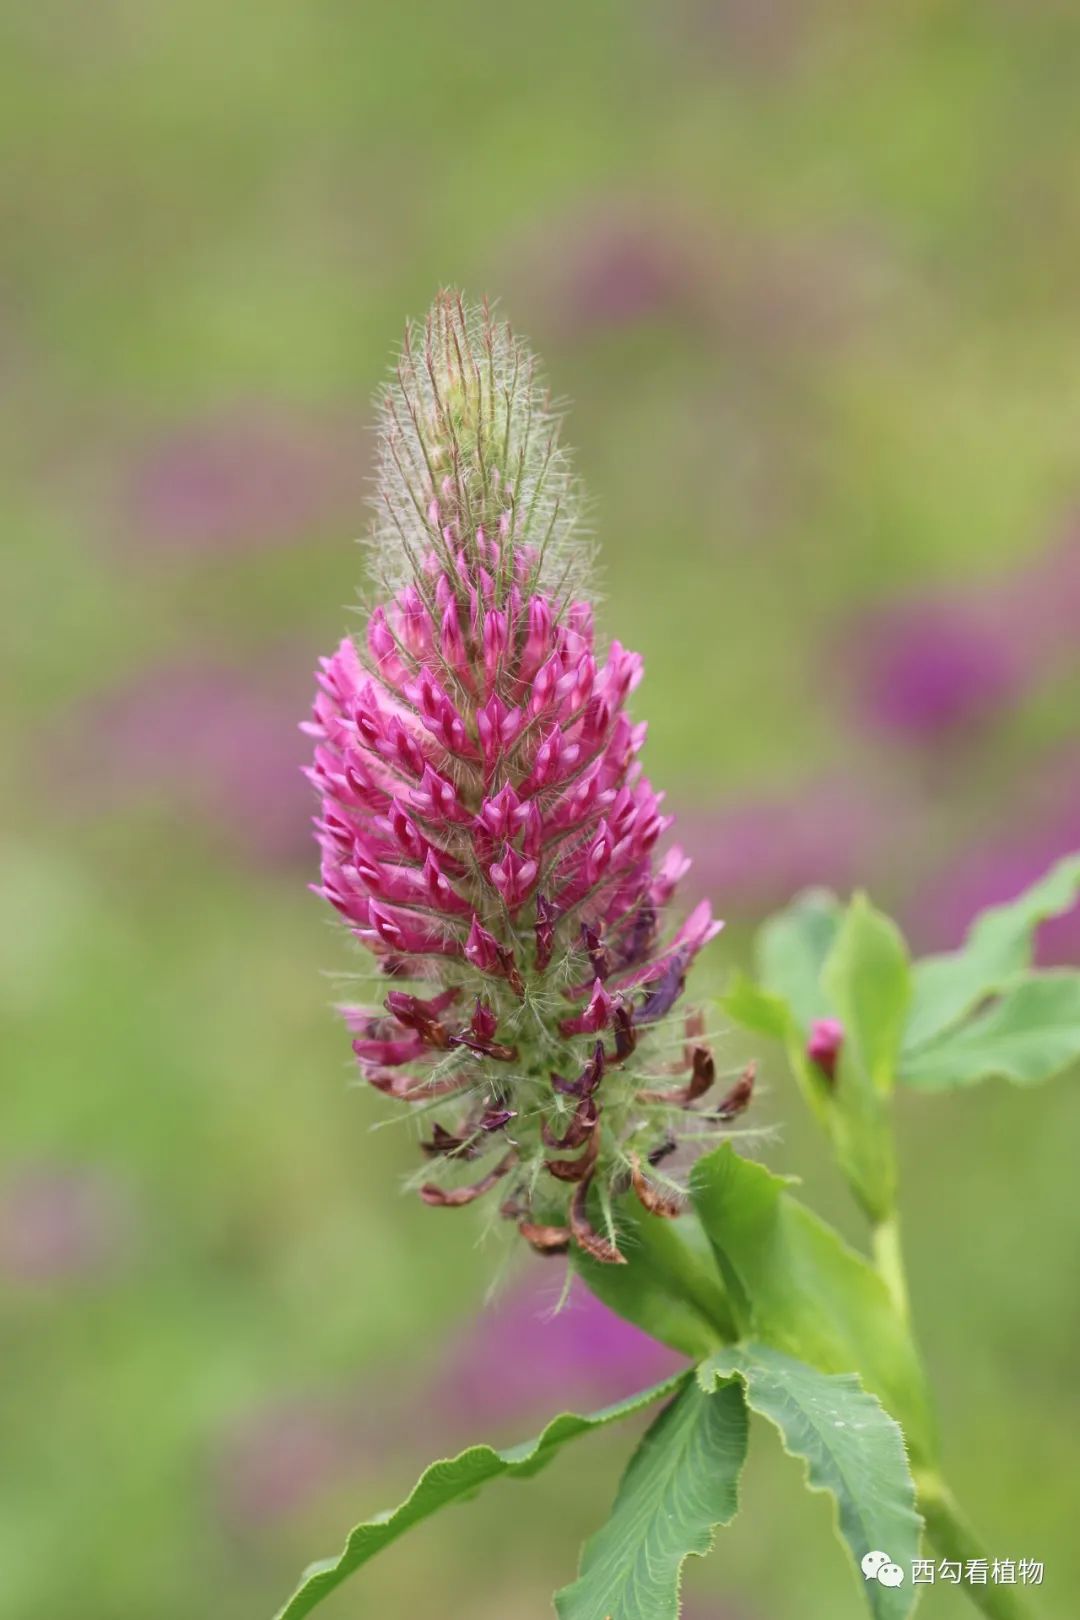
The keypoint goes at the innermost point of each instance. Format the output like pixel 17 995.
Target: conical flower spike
pixel 485 830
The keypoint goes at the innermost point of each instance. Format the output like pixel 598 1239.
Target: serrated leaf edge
pixel 854 1382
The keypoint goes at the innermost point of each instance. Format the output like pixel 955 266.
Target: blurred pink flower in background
pixel 623 261
pixel 1004 863
pixel 215 742
pixel 1042 598
pixel 765 35
pixel 934 669
pixel 523 1358
pixel 515 1366
pixel 624 267
pixel 275 1461
pixel 938 668
pixel 757 854
pixel 246 479
pixel 62 1223
pixel 613 262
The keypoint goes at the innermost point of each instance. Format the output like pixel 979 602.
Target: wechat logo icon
pixel 878 1566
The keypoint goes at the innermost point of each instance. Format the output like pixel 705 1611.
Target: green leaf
pixel 817 960
pixel 760 1010
pixel 1032 1033
pixel 799 1288
pixel 670 1285
pixel 861 1132
pixel 791 949
pixel 682 1482
pixel 767 1013
pixel 851 1448
pixel 450 1481
pixel 868 982
pixel 997 949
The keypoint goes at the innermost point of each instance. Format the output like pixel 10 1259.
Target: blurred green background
pixel 808 273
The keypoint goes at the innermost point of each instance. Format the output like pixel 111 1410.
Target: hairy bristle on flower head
pixel 486 830
pixel 470 463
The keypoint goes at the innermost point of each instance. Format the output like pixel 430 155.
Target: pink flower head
pixel 485 828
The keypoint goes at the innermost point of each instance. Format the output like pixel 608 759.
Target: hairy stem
pixel 954 1539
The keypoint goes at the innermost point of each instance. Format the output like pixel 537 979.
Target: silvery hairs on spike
pixel 467 423
pixel 485 827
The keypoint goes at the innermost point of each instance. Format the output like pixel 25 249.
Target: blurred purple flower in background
pixel 1001 866
pixel 614 262
pixel 62 1224
pixel 1042 599
pixel 216 742
pixel 518 1363
pixel 757 854
pixel 274 1462
pixel 624 268
pixel 935 669
pixel 523 1358
pixel 939 668
pixel 622 262
pixel 247 479
pixel 765 35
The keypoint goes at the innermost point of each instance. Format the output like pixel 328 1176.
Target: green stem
pixel 946 1528
pixel 889 1260
pixel 955 1540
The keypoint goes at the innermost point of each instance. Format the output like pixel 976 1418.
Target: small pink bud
pixel 598 858
pixel 495 726
pixel 672 869
pixel 495 643
pixel 533 836
pixel 383 646
pixel 538 639
pixel 406 833
pixel 543 685
pixel 385 925
pixel 546 918
pixel 513 876
pixel 503 814
pixel 416 628
pixel 482 949
pixel 450 638
pixel 597 1014
pixel 824 1043
pixel 484 1022
pixel 438 886
pixel 387 1053
pixel 436 797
